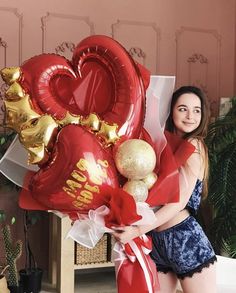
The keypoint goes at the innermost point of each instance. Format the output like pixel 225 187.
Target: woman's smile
pixel 187 113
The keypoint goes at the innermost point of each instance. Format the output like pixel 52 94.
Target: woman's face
pixel 187 113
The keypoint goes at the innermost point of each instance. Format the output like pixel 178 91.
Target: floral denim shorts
pixel 183 249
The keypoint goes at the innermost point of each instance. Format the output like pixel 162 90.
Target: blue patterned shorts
pixel 183 249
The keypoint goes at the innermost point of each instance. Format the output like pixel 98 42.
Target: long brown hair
pixel 201 131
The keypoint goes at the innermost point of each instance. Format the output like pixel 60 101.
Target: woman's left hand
pixel 126 234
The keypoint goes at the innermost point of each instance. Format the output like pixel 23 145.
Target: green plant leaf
pixel 221 142
pixel 2 140
pixel 2 216
pixel 13 220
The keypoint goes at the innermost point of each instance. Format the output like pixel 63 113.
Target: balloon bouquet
pixel 82 124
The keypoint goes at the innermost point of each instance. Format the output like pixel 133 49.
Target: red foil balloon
pixel 101 78
pixel 74 179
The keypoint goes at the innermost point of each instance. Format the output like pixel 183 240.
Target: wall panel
pixel 61 32
pixel 141 39
pixel 198 61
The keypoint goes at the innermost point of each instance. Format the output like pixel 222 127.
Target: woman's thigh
pixel 204 282
pixel 168 282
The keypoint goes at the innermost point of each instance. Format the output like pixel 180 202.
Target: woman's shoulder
pixel 197 161
pixel 198 144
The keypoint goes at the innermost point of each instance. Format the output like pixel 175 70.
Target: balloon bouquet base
pixel 134 267
pixel 135 270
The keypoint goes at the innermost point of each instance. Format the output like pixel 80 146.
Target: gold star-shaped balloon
pixel 18 112
pixel 37 155
pixel 39 131
pixel 36 136
pixel 15 92
pixel 108 133
pixel 92 121
pixel 69 119
pixel 10 74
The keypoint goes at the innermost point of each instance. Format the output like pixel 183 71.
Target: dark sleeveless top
pixel 195 198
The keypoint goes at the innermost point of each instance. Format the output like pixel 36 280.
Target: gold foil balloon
pixel 135 159
pixel 69 119
pixel 10 74
pixel 92 122
pixel 19 112
pixel 15 92
pixel 36 136
pixel 37 155
pixel 108 133
pixel 138 189
pixel 150 179
pixel 38 131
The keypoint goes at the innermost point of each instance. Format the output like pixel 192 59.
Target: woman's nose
pixel 189 114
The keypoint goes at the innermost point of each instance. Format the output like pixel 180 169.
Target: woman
pixel 181 250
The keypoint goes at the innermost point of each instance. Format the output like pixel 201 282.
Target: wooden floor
pixel 93 281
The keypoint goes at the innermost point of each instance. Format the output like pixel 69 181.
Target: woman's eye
pixel 197 111
pixel 182 109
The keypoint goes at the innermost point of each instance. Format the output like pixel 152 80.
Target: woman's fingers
pixel 118 229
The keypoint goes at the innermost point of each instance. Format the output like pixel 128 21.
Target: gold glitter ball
pixel 138 189
pixel 150 180
pixel 135 159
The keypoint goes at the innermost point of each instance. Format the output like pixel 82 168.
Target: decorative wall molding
pixel 199 30
pixel 203 61
pixel 115 27
pixel 138 52
pixel 3 89
pixel 197 57
pixel 49 16
pixel 65 46
pixel 19 16
pixel 4 45
pixel 119 22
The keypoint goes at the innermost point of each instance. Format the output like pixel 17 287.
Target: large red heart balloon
pixel 101 78
pixel 78 170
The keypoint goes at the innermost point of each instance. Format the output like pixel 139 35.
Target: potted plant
pixel 221 141
pixel 3 281
pixel 13 250
pixel 31 275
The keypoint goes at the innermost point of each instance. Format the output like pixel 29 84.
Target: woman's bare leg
pixel 168 282
pixel 204 282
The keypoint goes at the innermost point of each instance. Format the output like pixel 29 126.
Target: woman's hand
pixel 126 234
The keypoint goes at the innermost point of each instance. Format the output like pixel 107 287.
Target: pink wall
pixel 194 40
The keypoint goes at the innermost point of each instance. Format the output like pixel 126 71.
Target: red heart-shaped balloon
pixel 93 92
pixel 74 178
pixel 101 78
